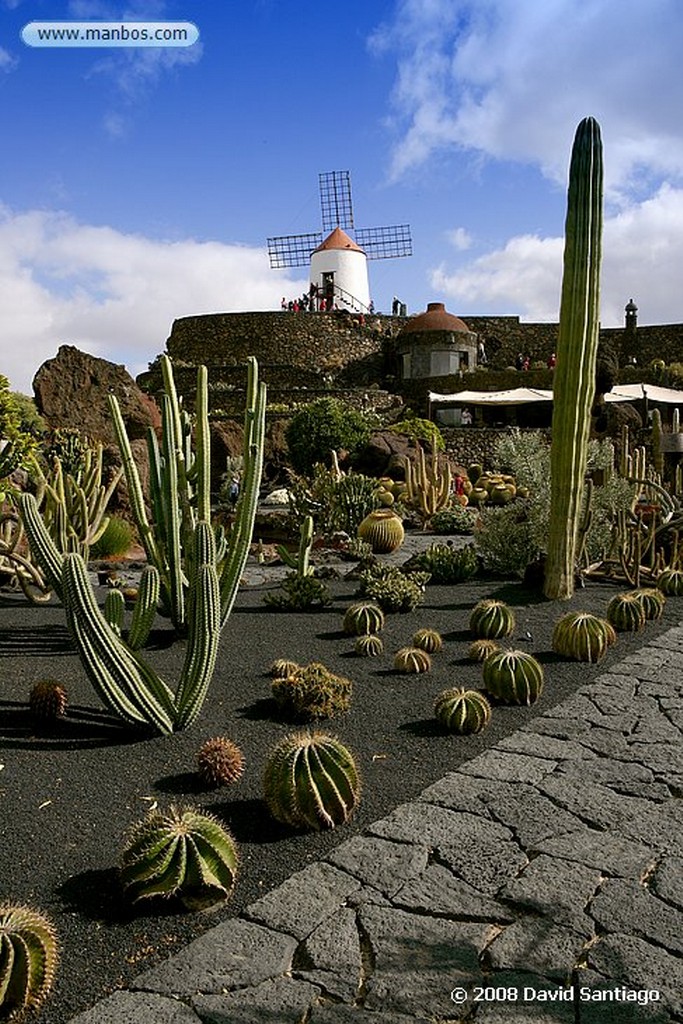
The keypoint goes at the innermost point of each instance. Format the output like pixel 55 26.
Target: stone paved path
pixel 547 873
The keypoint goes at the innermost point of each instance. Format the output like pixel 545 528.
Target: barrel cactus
pixel 283 667
pixel 363 617
pixel 182 852
pixel 670 582
pixel 383 530
pixel 513 677
pixel 626 613
pixel 428 640
pixel 48 700
pixel 412 659
pixel 582 636
pixel 311 692
pixel 220 761
pixel 311 781
pixel 28 959
pixel 491 619
pixel 463 711
pixel 369 645
pixel 480 650
pixel 652 600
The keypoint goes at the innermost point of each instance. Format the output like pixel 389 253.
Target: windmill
pixel 338 261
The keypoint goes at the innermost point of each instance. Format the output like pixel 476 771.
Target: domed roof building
pixel 435 344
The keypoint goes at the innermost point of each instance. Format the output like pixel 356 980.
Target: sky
pixel 138 185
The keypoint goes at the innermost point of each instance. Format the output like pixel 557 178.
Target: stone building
pixel 435 344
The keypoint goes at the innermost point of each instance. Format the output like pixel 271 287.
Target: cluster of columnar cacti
pixel 626 612
pixel 463 711
pixel 513 677
pixel 311 781
pixel 311 692
pixel 369 645
pixel 363 617
pixel 48 700
pixel 583 636
pixel 480 650
pixel 28 959
pixel 182 852
pixel 491 619
pixel 428 485
pixel 429 640
pixel 412 660
pixel 383 531
pixel 577 345
pixel 220 761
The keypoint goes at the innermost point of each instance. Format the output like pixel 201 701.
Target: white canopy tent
pixel 653 393
pixel 515 396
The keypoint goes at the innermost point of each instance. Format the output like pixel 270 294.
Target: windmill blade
pixel 335 200
pixel 385 243
pixel 292 250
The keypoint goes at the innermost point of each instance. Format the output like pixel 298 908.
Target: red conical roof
pixel 338 239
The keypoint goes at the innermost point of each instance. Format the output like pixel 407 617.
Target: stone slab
pixel 538 945
pixel 304 900
pixel 628 907
pixel 627 960
pixel 378 862
pixel 667 881
pixel 331 956
pixel 438 891
pixel 281 1001
pixel 557 889
pixel 134 1007
pixel 609 853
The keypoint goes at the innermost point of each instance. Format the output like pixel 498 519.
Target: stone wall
pixel 466 445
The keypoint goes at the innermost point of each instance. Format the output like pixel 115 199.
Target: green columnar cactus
pixel 491 619
pixel 429 488
pixel 428 640
pixel 183 853
pixel 220 762
pixel 363 617
pixel 145 608
pixel 463 711
pixel 114 607
pixel 626 613
pixel 28 959
pixel 369 645
pixel 480 650
pixel 574 375
pixel 513 677
pixel 412 659
pixel 383 531
pixel 312 692
pixel 302 562
pixel 311 781
pixel 656 438
pixel 583 637
pixel 652 600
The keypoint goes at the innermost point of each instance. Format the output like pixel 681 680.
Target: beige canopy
pixel 515 396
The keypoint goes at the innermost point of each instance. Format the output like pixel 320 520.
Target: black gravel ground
pixel 69 794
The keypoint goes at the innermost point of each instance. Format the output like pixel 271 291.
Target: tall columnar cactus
pixel 183 853
pixel 311 781
pixel 28 959
pixel 429 487
pixel 301 563
pixel 180 490
pixel 574 376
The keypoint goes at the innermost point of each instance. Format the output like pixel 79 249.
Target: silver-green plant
pixel 577 345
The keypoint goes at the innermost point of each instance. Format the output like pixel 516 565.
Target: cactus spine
pixel 28 959
pixel 463 711
pixel 491 619
pixel 514 677
pixel 311 781
pixel 574 377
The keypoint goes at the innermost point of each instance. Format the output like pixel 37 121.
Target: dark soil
pixel 68 794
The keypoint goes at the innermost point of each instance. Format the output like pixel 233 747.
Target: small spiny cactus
pixel 311 781
pixel 283 667
pixel 670 582
pixel 220 761
pixel 369 645
pixel 491 619
pixel 363 617
pixel 626 613
pixel 28 959
pixel 183 852
pixel 480 650
pixel 514 677
pixel 412 659
pixel 652 600
pixel 428 640
pixel 48 700
pixel 583 636
pixel 311 692
pixel 463 711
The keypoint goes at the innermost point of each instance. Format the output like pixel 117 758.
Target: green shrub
pixel 457 519
pixel 446 564
pixel 117 539
pixel 393 590
pixel 324 426
pixel 298 594
pixel 21 443
pixel 419 430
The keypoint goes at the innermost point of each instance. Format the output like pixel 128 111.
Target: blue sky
pixel 139 185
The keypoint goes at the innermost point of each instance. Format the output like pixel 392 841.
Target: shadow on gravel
pixel 250 821
pixel 23 641
pixel 182 783
pixel 79 729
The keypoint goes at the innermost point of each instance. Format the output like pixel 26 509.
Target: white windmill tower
pixel 338 261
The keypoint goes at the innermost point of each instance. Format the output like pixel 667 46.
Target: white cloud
pixel 642 256
pixel 460 239
pixel 512 80
pixel 7 61
pixel 114 295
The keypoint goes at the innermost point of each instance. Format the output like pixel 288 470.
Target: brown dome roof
pixel 338 239
pixel 435 319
